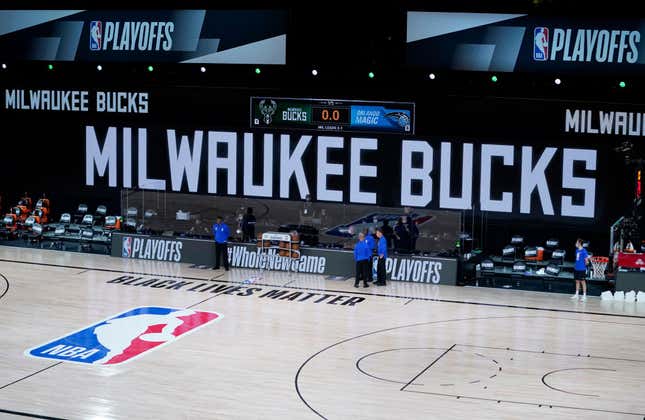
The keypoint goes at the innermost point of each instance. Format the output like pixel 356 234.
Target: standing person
pixel 413 230
pixel 402 235
pixel 221 234
pixel 382 256
pixel 248 225
pixel 580 270
pixel 371 245
pixel 369 239
pixel 362 256
pixel 388 232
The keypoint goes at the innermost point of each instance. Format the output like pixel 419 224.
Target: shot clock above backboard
pixel 332 115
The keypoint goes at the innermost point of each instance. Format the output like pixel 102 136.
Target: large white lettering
pixel 410 174
pixel 587 185
pixel 358 171
pixel 98 158
pixel 445 199
pixel 184 162
pixel 326 169
pixel 291 165
pixel 265 189
pixel 487 203
pixel 534 177
pixel 227 163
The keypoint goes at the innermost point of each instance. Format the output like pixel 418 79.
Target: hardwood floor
pixel 299 346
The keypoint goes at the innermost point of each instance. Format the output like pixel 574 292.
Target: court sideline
pixel 315 345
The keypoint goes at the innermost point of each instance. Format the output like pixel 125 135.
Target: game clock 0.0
pixel 331 115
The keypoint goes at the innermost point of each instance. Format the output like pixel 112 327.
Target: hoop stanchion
pixel 274 245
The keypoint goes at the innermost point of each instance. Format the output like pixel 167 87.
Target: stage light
pixel 150 68
pixel 50 67
pixel 314 72
pixel 4 66
pixel 371 75
pixel 99 67
pixel 432 76
pixel 557 81
pixel 493 79
pixel 257 70
pixel 202 69
pixel 622 84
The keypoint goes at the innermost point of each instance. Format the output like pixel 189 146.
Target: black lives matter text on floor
pixel 265 293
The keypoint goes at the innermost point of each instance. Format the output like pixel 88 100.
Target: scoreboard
pixel 332 115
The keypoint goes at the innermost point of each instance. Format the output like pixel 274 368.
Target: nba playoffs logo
pixel 127 247
pixel 96 35
pixel 125 336
pixel 540 43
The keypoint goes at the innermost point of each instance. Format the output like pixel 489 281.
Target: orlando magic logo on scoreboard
pixel 540 43
pixel 96 35
pixel 124 336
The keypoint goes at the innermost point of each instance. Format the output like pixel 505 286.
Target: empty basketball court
pixel 321 349
pixel 467 159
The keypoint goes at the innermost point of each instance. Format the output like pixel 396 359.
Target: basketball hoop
pixel 598 264
pixel 275 246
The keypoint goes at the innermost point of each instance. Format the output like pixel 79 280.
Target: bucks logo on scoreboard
pixel 270 112
pixel 267 109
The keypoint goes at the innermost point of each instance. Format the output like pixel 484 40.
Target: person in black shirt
pixel 248 225
pixel 402 236
pixel 388 232
pixel 413 232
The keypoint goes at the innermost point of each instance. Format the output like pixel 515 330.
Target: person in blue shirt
pixel 371 246
pixel 382 256
pixel 580 270
pixel 371 243
pixel 362 256
pixel 221 234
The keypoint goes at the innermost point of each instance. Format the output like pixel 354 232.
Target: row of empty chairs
pixel 551 251
pixel 83 227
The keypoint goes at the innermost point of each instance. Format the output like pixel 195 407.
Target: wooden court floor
pixel 291 346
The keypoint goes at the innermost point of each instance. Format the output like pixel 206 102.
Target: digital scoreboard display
pixel 332 115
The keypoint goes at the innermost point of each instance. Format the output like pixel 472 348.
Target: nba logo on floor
pixel 96 35
pixel 540 43
pixel 125 336
pixel 126 247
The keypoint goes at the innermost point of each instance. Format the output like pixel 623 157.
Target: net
pixel 598 266
pixel 278 250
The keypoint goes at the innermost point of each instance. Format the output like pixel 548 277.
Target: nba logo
pixel 125 336
pixel 127 247
pixel 540 43
pixel 96 35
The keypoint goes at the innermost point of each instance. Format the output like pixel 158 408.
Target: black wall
pixel 44 151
